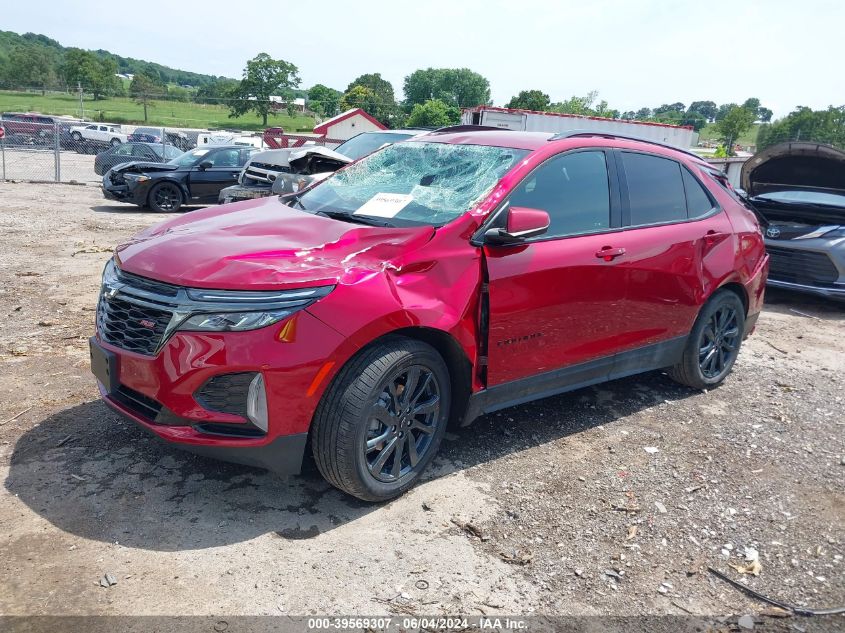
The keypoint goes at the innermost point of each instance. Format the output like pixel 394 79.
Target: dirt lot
pixel 610 500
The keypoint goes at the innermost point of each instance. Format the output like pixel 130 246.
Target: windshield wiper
pixel 358 219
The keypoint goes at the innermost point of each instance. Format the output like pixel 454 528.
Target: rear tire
pixel 713 344
pixel 165 198
pixel 381 421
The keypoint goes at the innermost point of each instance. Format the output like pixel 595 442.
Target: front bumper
pixel 121 192
pixel 163 389
pixel 814 266
pixel 239 192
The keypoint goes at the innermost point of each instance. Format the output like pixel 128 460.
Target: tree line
pixel 432 97
pixel 33 60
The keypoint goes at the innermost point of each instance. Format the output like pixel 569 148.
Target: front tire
pixel 165 198
pixel 381 421
pixel 115 142
pixel 713 344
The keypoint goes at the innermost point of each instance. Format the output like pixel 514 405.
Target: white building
pixel 348 124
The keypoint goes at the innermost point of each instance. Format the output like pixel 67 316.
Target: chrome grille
pixel 263 172
pixel 136 316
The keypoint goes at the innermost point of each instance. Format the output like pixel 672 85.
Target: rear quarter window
pixel 699 202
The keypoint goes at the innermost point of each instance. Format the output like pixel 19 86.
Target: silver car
pixel 799 190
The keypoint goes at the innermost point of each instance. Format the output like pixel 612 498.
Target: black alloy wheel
pixel 402 423
pixel 381 421
pixel 713 343
pixel 165 198
pixel 719 342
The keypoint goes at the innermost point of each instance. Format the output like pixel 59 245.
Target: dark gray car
pixel 799 190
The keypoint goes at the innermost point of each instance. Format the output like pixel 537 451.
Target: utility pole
pixel 81 107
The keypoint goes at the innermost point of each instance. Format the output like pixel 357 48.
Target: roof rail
pixel 585 133
pixel 467 128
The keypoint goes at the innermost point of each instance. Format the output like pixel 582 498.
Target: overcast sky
pixel 635 54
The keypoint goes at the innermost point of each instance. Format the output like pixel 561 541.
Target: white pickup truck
pixel 98 133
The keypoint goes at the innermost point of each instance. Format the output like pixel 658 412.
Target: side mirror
pixel 522 223
pixel 206 164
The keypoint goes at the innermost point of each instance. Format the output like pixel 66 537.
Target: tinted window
pixel 225 158
pixel 572 189
pixel 123 150
pixel 655 189
pixel 698 202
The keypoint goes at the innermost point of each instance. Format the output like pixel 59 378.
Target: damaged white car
pixel 280 171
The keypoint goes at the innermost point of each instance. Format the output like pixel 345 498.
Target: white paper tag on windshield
pixel 385 205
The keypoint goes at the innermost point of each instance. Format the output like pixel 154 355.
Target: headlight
pixel 242 310
pixel 136 177
pixel 837 232
pixel 109 273
pixel 233 321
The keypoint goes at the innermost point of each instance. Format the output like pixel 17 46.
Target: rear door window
pixel 655 189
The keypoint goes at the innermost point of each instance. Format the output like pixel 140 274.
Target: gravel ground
pixel 611 500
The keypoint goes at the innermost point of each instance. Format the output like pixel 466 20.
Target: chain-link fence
pixel 38 147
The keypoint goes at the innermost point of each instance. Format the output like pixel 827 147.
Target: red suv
pixel 431 282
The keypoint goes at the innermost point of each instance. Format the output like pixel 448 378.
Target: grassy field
pixel 166 113
pixel 708 133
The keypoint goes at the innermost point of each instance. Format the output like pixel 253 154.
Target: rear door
pixel 226 163
pixel 675 241
pixel 554 301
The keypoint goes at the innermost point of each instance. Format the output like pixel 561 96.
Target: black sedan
pixel 128 152
pixel 195 177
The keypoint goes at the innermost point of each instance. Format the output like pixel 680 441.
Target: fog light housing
pixel 256 403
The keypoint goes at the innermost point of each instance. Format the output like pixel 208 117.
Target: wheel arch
pixel 739 290
pixel 446 345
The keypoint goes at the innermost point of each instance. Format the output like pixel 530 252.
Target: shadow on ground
pixel 92 474
pixel 128 207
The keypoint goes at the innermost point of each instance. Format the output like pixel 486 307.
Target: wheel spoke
pixel 385 454
pixel 429 406
pixel 397 457
pixel 394 396
pixel 373 443
pixel 421 389
pixel 383 414
pixel 416 425
pixel 411 381
pixel 412 449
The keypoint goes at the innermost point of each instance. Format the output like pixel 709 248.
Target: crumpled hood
pixel 264 245
pixel 141 167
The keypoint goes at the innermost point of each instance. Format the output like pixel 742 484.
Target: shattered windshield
pixel 413 182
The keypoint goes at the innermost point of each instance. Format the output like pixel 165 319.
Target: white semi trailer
pixel 682 136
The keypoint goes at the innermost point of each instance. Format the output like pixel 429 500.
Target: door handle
pixel 608 253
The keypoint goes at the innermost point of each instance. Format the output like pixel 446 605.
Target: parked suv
pixel 429 283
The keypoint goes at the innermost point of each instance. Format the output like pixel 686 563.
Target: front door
pixel 206 182
pixel 554 301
